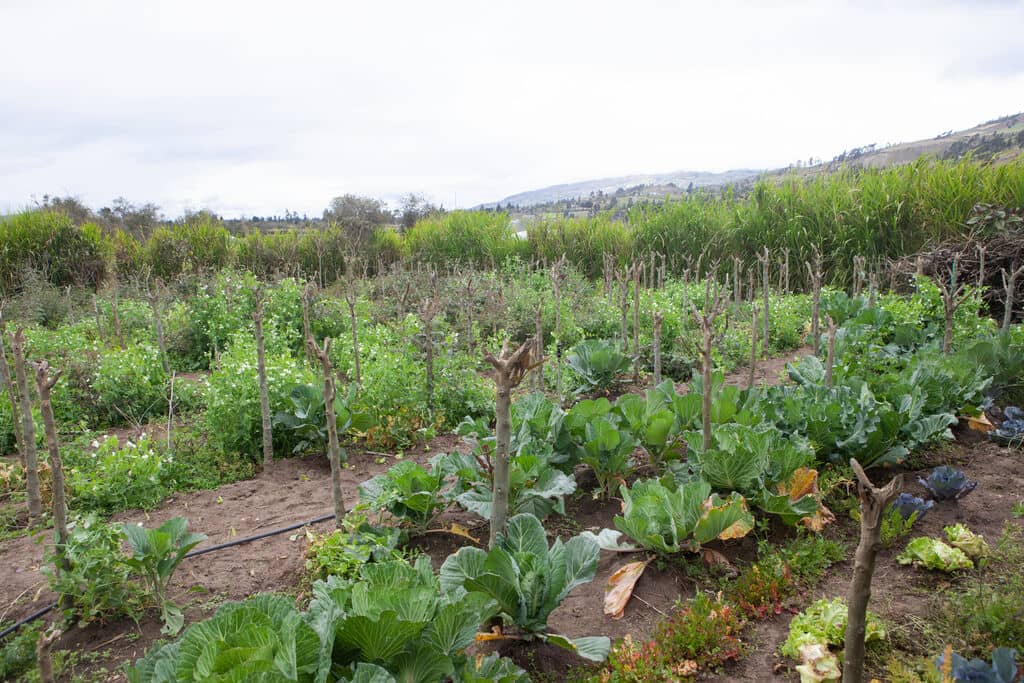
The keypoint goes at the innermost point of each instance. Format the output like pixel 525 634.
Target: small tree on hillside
pixel 28 429
pixel 714 304
pixel 45 381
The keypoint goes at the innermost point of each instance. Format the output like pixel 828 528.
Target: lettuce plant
pixel 947 483
pixel 973 545
pixel 932 553
pixel 528 580
pixel 824 624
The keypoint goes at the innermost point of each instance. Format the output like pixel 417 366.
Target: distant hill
pixel 609 186
pixel 996 140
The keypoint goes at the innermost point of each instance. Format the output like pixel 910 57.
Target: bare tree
pixel 45 381
pixel 323 354
pixel 538 374
pixel 28 429
pixel 509 370
pixel 753 349
pixel 351 297
pixel 557 278
pixel 5 378
pixel 981 265
pixel 815 275
pixel 153 296
pixel 873 502
pixel 953 294
pixel 428 311
pixel 714 304
pixel 658 318
pixel 1009 287
pixel 636 323
pixel 830 360
pixel 468 308
pixel 43 658
pixel 766 287
pixel 261 371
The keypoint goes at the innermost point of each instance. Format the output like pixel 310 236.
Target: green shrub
pixel 116 477
pixel 343 551
pixel 232 398
pixel 98 587
pixel 49 243
pixel 131 385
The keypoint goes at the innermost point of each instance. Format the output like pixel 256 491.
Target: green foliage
pixel 389 624
pixel 306 419
pixel 824 623
pixel 666 518
pixel 597 363
pixel 232 398
pixel 700 635
pixel 653 422
pixel 895 526
pixel 156 553
pixel 527 579
pixel 196 464
pixel 108 477
pixel 343 551
pixel 48 243
pixel 98 585
pixel 932 553
pixel 755 462
pixel 411 493
pixel 781 573
pixel 18 652
pixel 131 386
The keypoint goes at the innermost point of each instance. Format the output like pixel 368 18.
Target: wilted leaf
pixel 804 482
pixel 459 530
pixel 619 588
pixel 716 560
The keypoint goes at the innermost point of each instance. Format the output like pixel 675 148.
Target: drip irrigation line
pixel 202 551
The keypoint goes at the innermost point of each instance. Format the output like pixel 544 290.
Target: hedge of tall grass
pixel 874 213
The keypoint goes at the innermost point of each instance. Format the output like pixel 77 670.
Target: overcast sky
pixel 257 107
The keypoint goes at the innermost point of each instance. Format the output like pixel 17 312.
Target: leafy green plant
pixel 895 526
pixel 666 518
pixel 973 545
pixel 762 465
pixel 390 623
pixel 114 477
pixel 306 419
pixel 156 553
pixel 652 422
pixel 98 584
pixel 413 494
pixel 343 551
pixel 700 635
pixel 932 553
pixel 537 488
pixel 597 363
pixel 824 623
pixel 609 452
pixel 131 385
pixel 528 580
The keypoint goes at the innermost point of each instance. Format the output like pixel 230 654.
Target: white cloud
pixel 255 107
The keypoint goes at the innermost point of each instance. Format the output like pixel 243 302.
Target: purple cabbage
pixel 907 504
pixel 947 483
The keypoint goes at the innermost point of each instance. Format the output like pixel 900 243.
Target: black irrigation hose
pixel 202 551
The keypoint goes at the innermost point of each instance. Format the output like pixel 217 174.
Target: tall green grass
pixel 877 214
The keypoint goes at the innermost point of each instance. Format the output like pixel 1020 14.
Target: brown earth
pixel 297 489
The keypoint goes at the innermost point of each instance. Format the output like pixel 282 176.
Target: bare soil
pixel 298 489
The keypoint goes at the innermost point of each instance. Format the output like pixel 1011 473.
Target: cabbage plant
pixel 598 363
pixel 528 579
